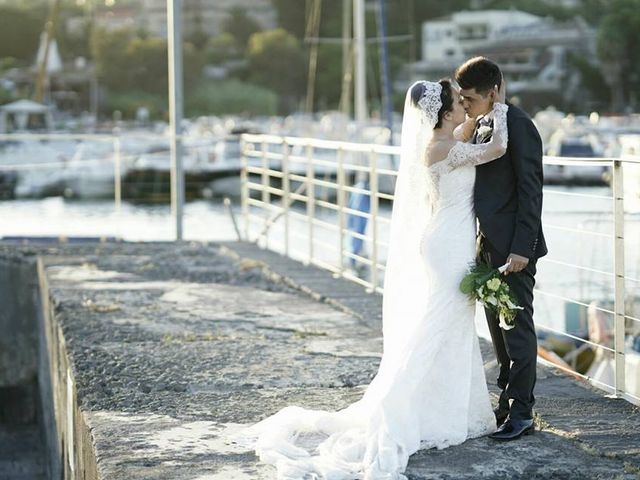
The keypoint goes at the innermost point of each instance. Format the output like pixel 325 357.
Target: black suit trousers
pixel 516 349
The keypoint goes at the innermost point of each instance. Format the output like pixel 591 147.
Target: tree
pixel 198 38
pixel 74 42
pixel 108 50
pixel 276 61
pixel 128 103
pixel 125 61
pixel 221 48
pixel 404 17
pixel 291 16
pixel 241 26
pixel 620 57
pixel 147 64
pixel 128 63
pixel 196 35
pixel 20 32
pixel 22 24
pixel 597 94
pixel 329 77
pixel 6 96
pixel 594 10
pixel 230 97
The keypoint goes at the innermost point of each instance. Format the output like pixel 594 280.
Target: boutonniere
pixel 484 131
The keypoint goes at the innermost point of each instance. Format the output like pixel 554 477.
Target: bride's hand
pixel 464 131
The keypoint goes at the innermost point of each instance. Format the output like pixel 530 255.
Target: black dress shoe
pixel 501 415
pixel 512 429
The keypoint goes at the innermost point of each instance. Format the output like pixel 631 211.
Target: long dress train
pixel 430 389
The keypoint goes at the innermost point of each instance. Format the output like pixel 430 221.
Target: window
pixel 473 32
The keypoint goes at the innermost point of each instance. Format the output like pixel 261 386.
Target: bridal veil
pixel 372 438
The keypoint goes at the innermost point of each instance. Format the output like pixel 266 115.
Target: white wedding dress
pixel 430 389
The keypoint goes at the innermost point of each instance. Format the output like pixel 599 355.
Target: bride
pixel 430 389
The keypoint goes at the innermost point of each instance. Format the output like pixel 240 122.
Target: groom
pixel 508 204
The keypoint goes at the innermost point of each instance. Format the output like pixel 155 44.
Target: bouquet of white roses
pixel 486 285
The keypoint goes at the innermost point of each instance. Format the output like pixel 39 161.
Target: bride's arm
pixel 476 154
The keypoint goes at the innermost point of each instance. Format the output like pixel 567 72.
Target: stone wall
pixel 68 436
pixel 18 346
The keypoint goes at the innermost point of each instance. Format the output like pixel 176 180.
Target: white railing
pixel 325 172
pixel 119 158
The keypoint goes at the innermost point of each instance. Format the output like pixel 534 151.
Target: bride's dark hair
pixel 446 97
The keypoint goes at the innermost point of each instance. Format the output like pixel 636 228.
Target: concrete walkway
pixel 170 344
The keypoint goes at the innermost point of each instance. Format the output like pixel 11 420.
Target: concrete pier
pixel 153 349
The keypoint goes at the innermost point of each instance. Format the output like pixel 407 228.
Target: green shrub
pixel 230 97
pixel 129 102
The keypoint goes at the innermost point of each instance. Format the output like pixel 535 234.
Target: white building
pixel 533 52
pixel 448 39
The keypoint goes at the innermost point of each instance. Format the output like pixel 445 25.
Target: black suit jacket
pixel 508 192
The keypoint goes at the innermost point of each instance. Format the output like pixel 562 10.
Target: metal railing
pixel 119 157
pixel 114 139
pixel 326 172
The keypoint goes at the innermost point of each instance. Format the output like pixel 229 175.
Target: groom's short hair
pixel 479 73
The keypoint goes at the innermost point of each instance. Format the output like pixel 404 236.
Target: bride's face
pixel 458 114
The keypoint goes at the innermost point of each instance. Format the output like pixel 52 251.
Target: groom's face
pixel 476 103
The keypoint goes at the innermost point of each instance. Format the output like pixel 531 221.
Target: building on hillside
pixel 205 15
pixel 534 53
pixel 448 39
pixel 112 18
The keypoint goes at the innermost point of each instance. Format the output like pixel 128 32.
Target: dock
pixel 147 352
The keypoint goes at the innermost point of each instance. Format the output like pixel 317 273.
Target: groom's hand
pixel 516 263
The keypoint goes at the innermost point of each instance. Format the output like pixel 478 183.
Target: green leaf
pixel 468 284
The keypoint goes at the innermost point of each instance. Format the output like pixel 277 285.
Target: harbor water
pixel 579 231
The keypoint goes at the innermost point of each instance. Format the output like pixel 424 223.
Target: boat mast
pixel 42 78
pixel 387 106
pixel 347 59
pixel 313 32
pixel 360 61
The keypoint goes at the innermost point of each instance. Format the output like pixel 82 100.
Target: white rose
pixel 493 284
pixel 484 130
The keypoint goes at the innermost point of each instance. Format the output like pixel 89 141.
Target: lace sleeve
pixel 463 154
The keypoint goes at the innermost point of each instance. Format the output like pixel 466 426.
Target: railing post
pixel 373 197
pixel 311 199
pixel 176 107
pixel 340 202
pixel 286 201
pixel 244 187
pixel 619 271
pixel 265 193
pixel 117 175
